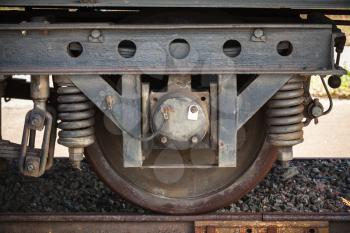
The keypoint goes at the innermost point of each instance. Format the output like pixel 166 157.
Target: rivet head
pixel 258 32
pixel 95 33
pixel 194 140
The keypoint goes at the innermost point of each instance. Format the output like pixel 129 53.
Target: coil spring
pixel 76 114
pixel 285 114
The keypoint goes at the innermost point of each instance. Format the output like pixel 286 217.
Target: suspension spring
pixel 285 114
pixel 76 114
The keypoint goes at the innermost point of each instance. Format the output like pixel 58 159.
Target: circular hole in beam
pixel 74 49
pixel 284 48
pixel 179 48
pixel 127 48
pixel 232 48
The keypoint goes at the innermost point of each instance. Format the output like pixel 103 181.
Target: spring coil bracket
pixel 76 115
pixel 285 114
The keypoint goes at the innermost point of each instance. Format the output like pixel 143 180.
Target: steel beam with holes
pixel 233 110
pixel 100 48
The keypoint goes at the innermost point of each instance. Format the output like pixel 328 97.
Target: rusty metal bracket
pixel 227 120
pixel 122 109
pixel 35 164
pixel 233 109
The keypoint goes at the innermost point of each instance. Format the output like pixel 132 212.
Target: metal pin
pixel 109 102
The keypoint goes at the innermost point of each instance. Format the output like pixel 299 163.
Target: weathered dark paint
pixel 293 4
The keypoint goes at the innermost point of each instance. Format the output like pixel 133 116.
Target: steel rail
pixel 123 217
pixel 119 222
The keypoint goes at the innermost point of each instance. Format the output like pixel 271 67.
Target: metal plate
pixel 261 227
pixel 227 120
pixel 42 48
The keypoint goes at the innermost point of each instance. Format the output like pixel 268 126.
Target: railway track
pixel 222 223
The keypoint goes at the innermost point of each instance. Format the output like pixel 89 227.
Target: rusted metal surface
pixel 105 157
pixel 307 216
pixel 38 119
pixel 121 217
pixel 175 201
pixel 233 112
pixel 218 223
pixel 261 227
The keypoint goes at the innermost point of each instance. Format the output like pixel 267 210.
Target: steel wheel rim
pixel 256 171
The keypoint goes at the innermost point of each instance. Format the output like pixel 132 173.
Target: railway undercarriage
pixel 179 111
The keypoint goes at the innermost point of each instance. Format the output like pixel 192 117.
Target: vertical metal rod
pixel 227 120
pixel 214 114
pixel 40 90
pixel 32 139
pixel 131 115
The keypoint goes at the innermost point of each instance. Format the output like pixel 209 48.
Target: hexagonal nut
pixel 76 154
pixel 285 153
pixel 32 166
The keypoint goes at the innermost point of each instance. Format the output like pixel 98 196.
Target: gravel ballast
pixel 310 186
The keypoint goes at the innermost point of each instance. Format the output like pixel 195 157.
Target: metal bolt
pixel 194 140
pixel 95 33
pixel 36 120
pixel 258 33
pixel 163 140
pixel 30 167
pixel 109 102
pixel 194 109
pixel 317 111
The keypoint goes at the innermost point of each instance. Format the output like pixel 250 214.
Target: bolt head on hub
pixel 194 140
pixel 194 109
pixel 163 140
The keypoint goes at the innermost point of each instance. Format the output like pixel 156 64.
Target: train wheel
pixel 182 190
